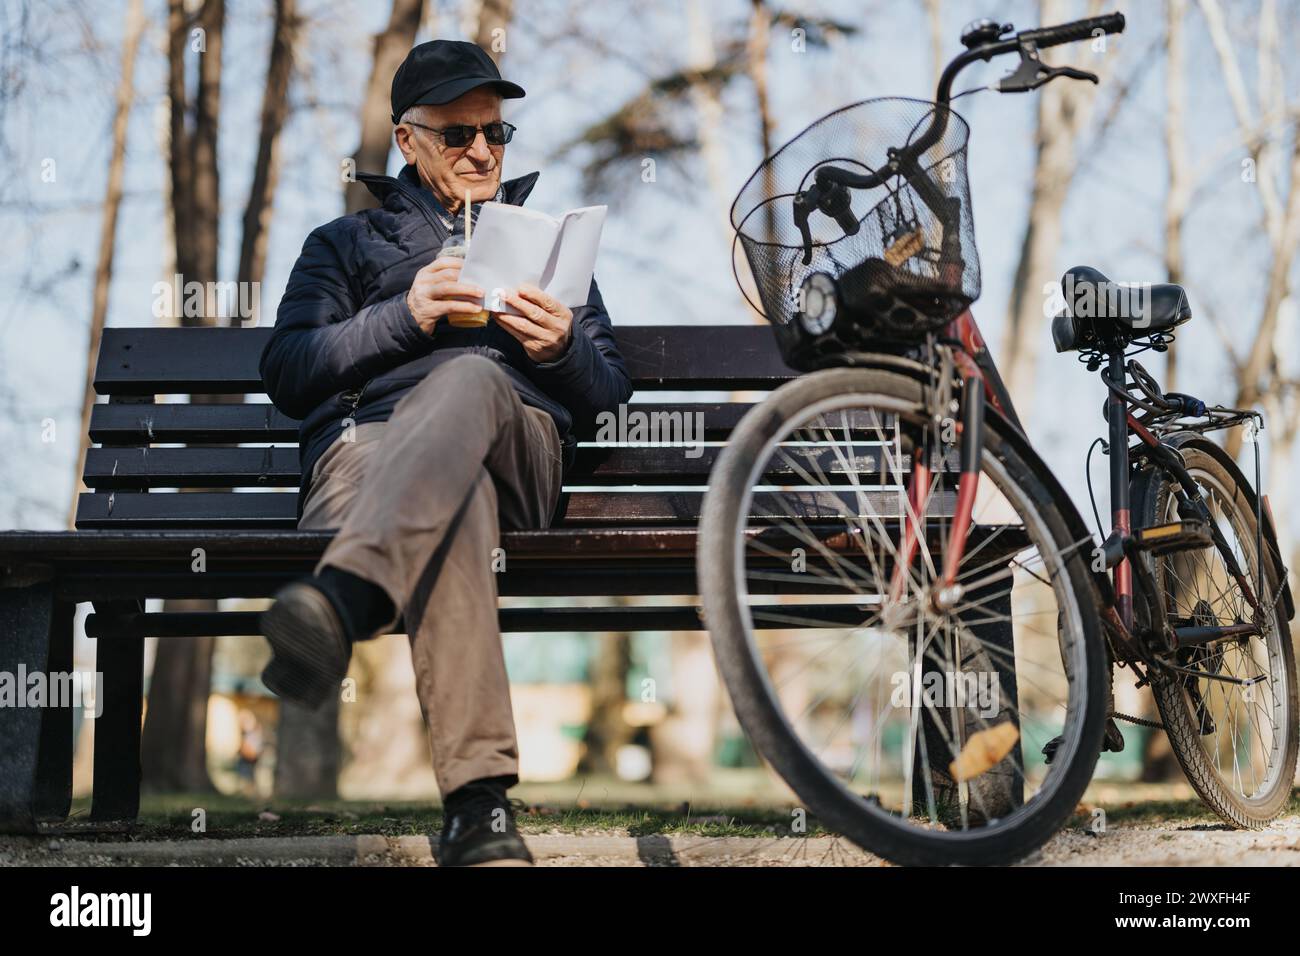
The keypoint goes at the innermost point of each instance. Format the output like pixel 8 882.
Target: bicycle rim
pixel 919 728
pixel 1244 736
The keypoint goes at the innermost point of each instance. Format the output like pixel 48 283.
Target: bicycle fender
pixel 1181 440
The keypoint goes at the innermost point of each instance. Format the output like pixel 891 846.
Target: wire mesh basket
pixel 908 270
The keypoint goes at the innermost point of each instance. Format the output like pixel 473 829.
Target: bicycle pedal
pixel 1186 535
pixel 1113 739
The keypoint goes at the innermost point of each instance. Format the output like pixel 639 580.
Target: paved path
pixel 1162 844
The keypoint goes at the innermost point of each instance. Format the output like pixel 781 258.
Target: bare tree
pixel 205 225
pixel 1063 113
pixel 266 168
pixel 108 231
pixel 1179 192
pixel 391 47
pixel 934 21
pixel 677 116
pixel 486 21
pixel 180 156
pixel 173 747
pixel 1259 376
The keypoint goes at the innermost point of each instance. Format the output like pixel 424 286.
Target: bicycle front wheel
pixel 915 719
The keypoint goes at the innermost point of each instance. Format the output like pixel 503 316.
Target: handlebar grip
pixel 1073 32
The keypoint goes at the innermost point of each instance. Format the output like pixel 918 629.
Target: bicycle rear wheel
pixel 913 722
pixel 1237 745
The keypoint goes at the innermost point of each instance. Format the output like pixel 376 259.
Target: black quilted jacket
pixel 345 344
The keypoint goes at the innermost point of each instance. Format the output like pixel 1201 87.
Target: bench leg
pixel 35 742
pixel 54 761
pixel 989 655
pixel 117 730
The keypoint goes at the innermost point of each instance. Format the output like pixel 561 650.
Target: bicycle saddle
pixel 1101 313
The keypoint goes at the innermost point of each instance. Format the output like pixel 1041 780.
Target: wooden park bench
pixel 135 541
pixel 629 529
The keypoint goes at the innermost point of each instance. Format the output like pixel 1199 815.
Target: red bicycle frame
pixel 977 388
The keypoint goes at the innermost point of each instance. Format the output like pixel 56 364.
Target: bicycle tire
pixel 752 696
pixel 1182 723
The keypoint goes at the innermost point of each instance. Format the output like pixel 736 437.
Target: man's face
pixel 450 171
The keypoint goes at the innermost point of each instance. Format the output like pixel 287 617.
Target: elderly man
pixel 420 438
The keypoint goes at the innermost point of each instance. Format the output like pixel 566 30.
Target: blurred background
pixel 143 138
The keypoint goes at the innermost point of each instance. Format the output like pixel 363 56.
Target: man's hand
pixel 544 329
pixel 436 291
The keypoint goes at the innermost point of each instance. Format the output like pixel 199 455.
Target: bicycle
pixel 1192 614
pixel 905 700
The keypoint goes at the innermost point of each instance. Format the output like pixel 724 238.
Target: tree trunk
pixel 266 169
pixel 173 751
pixel 108 233
pixel 180 157
pixel 1258 377
pixel 173 748
pixel 491 19
pixel 1063 110
pixel 934 22
pixel 206 222
pixel 607 730
pixel 760 37
pixel 1176 160
pixel 391 48
pixel 307 751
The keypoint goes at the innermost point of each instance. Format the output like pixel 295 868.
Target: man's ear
pixel 402 134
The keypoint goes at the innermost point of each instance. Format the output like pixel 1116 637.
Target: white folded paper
pixel 511 246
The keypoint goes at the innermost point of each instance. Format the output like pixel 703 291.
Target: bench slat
pixel 154 361
pixel 180 624
pixel 177 423
pixel 128 468
pixel 252 549
pixel 278 510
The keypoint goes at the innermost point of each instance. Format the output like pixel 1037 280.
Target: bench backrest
pixel 244 444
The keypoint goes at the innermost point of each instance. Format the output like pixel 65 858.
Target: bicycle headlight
pixel 818 303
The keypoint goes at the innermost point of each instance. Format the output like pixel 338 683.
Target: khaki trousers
pixel 419 501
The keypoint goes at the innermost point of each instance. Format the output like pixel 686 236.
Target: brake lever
pixel 804 203
pixel 1033 72
pixel 834 201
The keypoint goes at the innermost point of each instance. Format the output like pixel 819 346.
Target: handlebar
pixel 1073 32
pixel 829 192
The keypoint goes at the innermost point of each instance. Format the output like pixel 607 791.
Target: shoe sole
pixel 310 651
pixel 503 863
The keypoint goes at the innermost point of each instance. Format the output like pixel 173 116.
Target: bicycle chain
pixel 1153 724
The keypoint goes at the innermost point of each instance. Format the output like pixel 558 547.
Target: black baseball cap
pixel 441 70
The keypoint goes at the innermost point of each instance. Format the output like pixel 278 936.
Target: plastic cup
pixel 456 246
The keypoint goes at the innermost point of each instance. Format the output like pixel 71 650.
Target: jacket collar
pixel 516 190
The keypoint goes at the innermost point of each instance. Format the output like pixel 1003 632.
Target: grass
pixel 172 816
pixel 1155 812
pixel 164 817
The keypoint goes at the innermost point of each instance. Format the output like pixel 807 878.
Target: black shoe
pixel 479 829
pixel 310 644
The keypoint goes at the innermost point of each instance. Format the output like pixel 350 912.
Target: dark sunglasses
pixel 497 134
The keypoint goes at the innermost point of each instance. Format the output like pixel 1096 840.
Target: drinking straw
pixel 468 221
